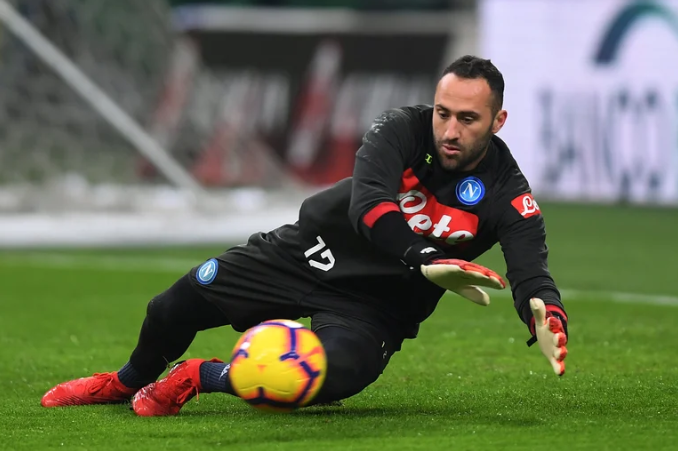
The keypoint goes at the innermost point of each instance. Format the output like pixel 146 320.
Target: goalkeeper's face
pixel 464 120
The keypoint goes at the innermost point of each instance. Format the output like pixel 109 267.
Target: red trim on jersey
pixel 410 181
pixel 377 212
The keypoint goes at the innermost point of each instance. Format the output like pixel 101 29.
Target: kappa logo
pixel 526 205
pixel 428 217
pixel 207 272
pixel 470 191
pixel 225 371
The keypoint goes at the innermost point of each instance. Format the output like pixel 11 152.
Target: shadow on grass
pixel 449 413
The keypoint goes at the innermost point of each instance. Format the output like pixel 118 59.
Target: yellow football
pixel 278 366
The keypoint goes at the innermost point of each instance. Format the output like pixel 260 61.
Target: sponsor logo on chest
pixel 428 217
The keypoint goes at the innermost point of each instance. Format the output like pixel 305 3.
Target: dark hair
pixel 472 67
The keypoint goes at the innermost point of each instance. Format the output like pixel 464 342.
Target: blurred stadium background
pixel 220 116
pixel 165 131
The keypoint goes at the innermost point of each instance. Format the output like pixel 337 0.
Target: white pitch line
pixel 180 266
pixel 620 297
pixel 624 297
pixel 99 262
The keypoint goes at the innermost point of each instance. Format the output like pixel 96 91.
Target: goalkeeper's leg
pixel 172 320
pixel 357 353
pixel 228 290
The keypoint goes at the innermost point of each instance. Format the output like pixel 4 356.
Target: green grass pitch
pixel 467 383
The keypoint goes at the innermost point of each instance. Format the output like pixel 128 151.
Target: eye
pixel 443 115
pixel 467 119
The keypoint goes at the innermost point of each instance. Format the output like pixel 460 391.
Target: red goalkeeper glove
pixel 463 278
pixel 550 330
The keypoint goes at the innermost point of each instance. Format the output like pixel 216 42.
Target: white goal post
pixel 97 99
pixel 84 83
pixel 120 126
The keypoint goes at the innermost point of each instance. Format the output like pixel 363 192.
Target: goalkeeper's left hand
pixel 550 330
pixel 463 278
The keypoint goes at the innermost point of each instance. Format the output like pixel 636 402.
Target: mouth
pixel 450 150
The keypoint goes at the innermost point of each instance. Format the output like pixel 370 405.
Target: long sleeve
pixel 522 236
pixel 380 162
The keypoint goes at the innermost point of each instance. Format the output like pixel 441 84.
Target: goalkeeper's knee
pixel 352 364
pixel 181 307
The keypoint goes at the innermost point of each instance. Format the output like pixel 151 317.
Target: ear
pixel 499 121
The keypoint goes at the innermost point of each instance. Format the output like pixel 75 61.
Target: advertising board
pixel 592 95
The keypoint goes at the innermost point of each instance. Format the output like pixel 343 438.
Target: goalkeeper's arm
pixel 523 241
pixel 526 253
pixel 387 147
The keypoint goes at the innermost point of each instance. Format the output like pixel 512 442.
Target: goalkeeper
pixel 368 260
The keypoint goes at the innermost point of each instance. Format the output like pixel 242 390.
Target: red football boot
pixel 168 395
pixel 102 388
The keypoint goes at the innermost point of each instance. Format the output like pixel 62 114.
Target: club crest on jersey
pixel 470 191
pixel 207 272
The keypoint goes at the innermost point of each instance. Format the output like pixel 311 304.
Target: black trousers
pixel 253 283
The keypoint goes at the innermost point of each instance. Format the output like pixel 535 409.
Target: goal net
pixel 94 145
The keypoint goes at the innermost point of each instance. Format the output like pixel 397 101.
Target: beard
pixel 467 157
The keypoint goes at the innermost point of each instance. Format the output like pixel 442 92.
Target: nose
pixel 452 131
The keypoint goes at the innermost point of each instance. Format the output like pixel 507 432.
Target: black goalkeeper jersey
pixel 463 214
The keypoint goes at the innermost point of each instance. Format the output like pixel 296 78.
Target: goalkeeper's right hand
pixel 463 278
pixel 459 276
